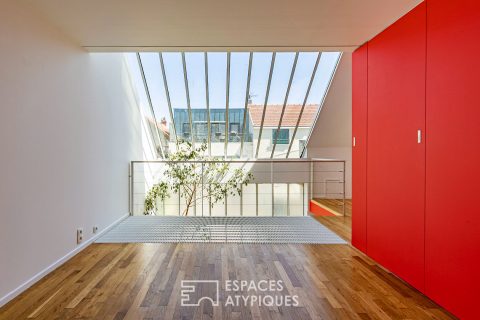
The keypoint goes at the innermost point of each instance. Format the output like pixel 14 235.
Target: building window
pixel 234 127
pixel 234 135
pixel 218 131
pixel 201 131
pixel 283 136
pixel 186 130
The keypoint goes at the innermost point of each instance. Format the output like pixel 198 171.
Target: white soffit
pixel 192 25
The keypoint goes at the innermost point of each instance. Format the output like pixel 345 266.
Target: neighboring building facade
pixel 251 136
pixel 287 129
pixel 217 129
pixel 217 123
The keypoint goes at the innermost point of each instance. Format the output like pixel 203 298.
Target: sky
pixel 217 77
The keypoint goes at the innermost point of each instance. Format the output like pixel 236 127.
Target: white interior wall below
pixel 332 134
pixel 342 153
pixel 68 128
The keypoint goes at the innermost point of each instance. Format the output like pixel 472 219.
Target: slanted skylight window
pixel 241 104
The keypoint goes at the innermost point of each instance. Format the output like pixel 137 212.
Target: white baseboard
pixel 27 284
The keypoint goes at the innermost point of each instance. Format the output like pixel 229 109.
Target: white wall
pixel 68 129
pixel 266 143
pixel 341 153
pixel 332 134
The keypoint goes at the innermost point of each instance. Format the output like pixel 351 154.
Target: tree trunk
pixel 189 203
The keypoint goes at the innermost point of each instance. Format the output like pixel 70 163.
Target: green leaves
pixel 189 172
pixel 158 191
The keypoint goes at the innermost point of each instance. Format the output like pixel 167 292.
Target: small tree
pixel 195 176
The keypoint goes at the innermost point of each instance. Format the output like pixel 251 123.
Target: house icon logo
pixel 193 292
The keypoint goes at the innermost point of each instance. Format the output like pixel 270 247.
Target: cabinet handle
pixel 354 142
pixel 419 136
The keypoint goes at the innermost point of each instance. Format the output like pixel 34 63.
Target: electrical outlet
pixel 79 235
pixel 95 229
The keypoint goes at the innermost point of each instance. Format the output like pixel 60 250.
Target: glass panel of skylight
pixel 301 79
pixel 151 144
pixel 236 110
pixel 217 80
pixel 324 75
pixel 258 87
pixel 217 75
pixel 153 76
pixel 176 86
pixel 195 64
pixel 279 83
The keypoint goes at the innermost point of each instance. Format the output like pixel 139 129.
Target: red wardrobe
pixel 416 156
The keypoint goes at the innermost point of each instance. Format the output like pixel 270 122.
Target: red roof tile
pixel 290 117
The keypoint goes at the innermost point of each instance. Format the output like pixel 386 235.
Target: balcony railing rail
pixel 282 187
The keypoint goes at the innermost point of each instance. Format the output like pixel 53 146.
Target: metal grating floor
pixel 153 229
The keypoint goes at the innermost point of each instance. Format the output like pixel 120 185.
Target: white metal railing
pixel 279 187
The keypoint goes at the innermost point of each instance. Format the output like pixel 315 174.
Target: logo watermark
pixel 209 291
pixel 246 293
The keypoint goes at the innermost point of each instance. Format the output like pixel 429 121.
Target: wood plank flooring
pixel 342 226
pixel 142 281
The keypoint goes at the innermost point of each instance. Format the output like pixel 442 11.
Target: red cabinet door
pixel 359 148
pixel 396 161
pixel 452 248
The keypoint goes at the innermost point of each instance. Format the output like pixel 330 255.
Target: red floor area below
pixel 317 210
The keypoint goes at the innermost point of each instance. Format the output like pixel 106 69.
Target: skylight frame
pixel 229 118
pixel 322 102
pixel 149 99
pixel 187 95
pixel 287 93
pixel 167 94
pixel 272 66
pixel 247 95
pixel 207 102
pixel 227 102
pixel 314 72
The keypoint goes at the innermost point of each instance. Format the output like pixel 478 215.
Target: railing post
pixel 202 185
pixel 226 195
pixel 273 188
pixel 310 188
pixel 288 199
pixel 130 187
pixel 163 202
pixel 209 201
pixel 226 205
pixel 344 167
pixel 303 198
pixel 256 199
pixel 241 200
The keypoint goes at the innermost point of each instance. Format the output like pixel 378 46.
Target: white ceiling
pixel 152 25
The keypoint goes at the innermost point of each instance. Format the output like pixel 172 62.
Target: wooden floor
pixel 340 225
pixel 142 281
